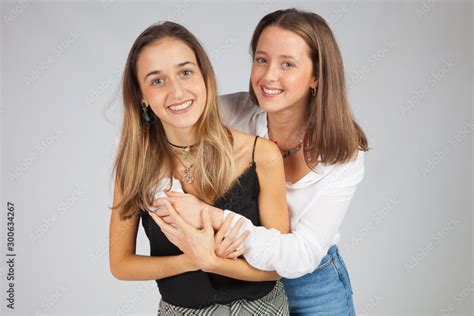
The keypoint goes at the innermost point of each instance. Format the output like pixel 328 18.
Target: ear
pixel 314 83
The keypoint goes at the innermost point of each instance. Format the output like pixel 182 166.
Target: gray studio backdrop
pixel 407 237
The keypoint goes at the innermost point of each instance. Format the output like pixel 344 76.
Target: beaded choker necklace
pixel 185 150
pixel 287 152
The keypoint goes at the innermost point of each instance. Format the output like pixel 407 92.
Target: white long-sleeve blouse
pixel 317 203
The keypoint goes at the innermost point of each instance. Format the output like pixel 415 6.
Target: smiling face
pixel 171 82
pixel 282 71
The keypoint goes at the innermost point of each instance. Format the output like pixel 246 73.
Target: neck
pixel 288 126
pixel 181 137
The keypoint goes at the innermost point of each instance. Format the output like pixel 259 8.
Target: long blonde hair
pixel 332 134
pixel 144 158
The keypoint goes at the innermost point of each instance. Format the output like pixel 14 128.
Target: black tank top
pixel 198 289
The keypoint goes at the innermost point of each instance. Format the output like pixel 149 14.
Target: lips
pixel 180 107
pixel 271 91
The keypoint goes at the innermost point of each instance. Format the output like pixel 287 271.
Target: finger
pixel 165 228
pixel 159 202
pixel 235 230
pixel 230 239
pixel 237 253
pixel 173 240
pixel 222 249
pixel 173 201
pixel 167 220
pixel 162 211
pixel 236 244
pixel 174 193
pixel 224 241
pixel 169 236
pixel 221 252
pixel 224 228
pixel 178 220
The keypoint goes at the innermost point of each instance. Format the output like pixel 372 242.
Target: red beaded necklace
pixel 287 152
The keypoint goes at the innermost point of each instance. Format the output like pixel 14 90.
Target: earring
pixel 313 91
pixel 147 116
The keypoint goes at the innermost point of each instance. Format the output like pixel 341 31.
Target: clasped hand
pixel 186 222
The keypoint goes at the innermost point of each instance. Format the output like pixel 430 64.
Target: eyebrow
pixel 156 72
pixel 283 56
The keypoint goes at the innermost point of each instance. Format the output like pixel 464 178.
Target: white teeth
pixel 272 91
pixel 181 106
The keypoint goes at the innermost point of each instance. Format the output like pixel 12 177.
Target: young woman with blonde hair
pixel 297 99
pixel 172 132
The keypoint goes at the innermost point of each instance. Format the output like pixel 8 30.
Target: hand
pixel 187 205
pixel 230 247
pixel 197 244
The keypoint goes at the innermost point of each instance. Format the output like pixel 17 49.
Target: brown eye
pixel 157 82
pixel 186 73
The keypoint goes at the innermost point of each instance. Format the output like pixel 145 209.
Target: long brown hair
pixel 332 135
pixel 144 158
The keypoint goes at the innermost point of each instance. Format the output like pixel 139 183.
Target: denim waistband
pixel 333 250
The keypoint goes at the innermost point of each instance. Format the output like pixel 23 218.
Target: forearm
pixel 139 267
pixel 241 270
pixel 290 255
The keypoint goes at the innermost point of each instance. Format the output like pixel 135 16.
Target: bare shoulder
pixel 267 154
pixel 240 136
pixel 243 142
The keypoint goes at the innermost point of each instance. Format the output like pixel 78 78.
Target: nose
pixel 272 73
pixel 176 89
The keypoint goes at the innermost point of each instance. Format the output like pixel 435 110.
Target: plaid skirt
pixel 273 303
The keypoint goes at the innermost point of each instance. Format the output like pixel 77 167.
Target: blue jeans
pixel 325 291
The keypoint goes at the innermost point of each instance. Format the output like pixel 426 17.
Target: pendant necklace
pixel 185 153
pixel 188 177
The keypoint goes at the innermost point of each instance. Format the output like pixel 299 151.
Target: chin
pixel 268 105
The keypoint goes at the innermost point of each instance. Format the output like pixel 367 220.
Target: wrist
pixel 188 264
pixel 217 217
pixel 210 264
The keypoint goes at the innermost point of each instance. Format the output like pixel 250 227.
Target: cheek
pixel 155 97
pixel 298 82
pixel 145 91
pixel 255 75
pixel 203 93
pixel 198 86
pixel 157 102
pixel 202 87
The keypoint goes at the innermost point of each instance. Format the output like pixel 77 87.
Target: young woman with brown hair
pixel 172 131
pixel 297 99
